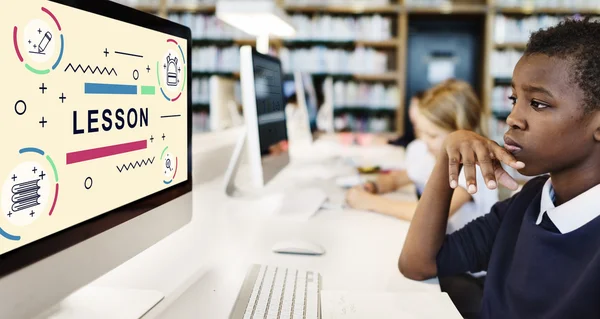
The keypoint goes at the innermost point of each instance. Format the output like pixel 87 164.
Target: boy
pixel 541 248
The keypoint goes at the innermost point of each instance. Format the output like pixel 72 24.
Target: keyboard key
pixel 254 295
pixel 265 291
pixel 281 293
pixel 277 291
pixel 312 298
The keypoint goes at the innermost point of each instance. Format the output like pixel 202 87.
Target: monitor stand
pixel 92 302
pixel 297 204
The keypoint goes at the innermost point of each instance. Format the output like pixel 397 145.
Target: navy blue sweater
pixel 531 272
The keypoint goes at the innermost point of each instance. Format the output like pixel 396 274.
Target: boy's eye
pixel 538 105
pixel 513 99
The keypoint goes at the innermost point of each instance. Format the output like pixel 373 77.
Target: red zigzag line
pixel 89 68
pixel 126 167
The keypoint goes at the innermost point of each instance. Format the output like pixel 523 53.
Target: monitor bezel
pixel 52 244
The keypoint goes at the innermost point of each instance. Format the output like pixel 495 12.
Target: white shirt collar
pixel 570 215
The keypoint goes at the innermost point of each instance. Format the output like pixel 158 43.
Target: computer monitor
pixel 264 115
pixel 308 99
pixel 301 109
pixel 265 137
pixel 325 115
pixel 224 97
pixel 97 139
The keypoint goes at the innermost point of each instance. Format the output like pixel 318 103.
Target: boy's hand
pixel 468 149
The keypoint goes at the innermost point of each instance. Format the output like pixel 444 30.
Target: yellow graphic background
pixel 86 36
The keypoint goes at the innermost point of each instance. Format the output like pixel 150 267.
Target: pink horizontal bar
pixel 95 153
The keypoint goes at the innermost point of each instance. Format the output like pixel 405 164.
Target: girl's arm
pixel 387 183
pixel 404 210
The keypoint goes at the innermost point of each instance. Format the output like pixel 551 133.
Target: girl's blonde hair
pixel 453 105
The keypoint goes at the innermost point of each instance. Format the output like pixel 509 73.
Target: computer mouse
pixel 298 247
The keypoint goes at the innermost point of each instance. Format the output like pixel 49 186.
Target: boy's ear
pixel 596 124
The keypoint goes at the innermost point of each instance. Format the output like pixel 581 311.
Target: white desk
pixel 201 267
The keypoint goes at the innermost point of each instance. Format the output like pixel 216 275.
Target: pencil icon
pixel 44 42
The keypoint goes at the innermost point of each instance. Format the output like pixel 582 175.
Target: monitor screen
pixel 310 96
pixel 270 105
pixel 97 118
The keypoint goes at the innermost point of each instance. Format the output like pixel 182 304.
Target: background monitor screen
pixel 270 105
pixel 98 120
pixel 310 96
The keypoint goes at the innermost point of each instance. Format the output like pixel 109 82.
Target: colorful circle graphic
pixel 26 192
pixel 39 41
pixel 171 72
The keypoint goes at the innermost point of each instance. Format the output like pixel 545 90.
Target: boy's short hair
pixel 577 41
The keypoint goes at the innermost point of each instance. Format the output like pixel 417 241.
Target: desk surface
pixel 201 267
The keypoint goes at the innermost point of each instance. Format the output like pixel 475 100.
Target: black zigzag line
pixel 89 68
pixel 126 167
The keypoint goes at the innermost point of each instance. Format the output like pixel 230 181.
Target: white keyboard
pixel 278 293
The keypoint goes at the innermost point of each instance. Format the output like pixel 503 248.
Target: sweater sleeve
pixel 470 248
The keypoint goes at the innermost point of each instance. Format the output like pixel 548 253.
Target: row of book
pixel 337 2
pixel 502 63
pixel 315 28
pixel 363 123
pixel 352 94
pixel 320 59
pixel 510 29
pixel 571 4
pixel 342 28
pixel 216 59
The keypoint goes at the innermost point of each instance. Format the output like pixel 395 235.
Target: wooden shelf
pixel 393 43
pixel 379 77
pixel 508 45
pixel 539 10
pixel 235 75
pixel 147 8
pixel 200 8
pixel 385 44
pixel 363 109
pixel 343 9
pixel 452 9
pixel 392 76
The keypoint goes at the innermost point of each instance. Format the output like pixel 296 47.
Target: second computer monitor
pixel 264 114
pixel 307 97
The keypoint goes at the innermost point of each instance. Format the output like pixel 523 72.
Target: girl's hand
pixel 370 187
pixel 467 149
pixel 358 198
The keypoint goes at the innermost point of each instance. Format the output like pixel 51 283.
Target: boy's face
pixel 547 129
